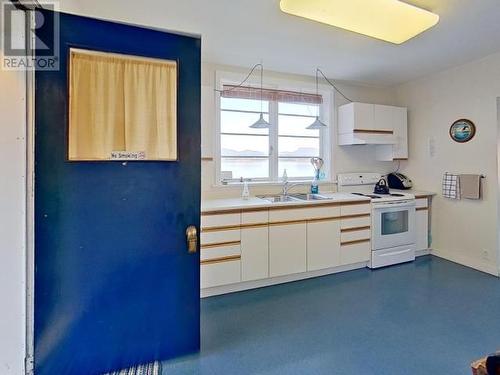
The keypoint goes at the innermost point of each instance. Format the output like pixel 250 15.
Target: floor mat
pixel 153 368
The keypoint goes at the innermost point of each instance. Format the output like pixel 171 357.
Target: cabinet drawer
pixel 355 235
pixel 223 220
pixel 223 250
pixel 254 217
pixel 219 236
pixel 422 202
pixel 356 222
pixel 220 273
pixel 355 209
pixel 326 211
pixel 355 253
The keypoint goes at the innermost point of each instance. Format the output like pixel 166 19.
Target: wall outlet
pixel 431 144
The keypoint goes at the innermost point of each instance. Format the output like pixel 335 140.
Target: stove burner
pixel 368 195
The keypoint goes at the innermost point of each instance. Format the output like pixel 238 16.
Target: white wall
pixel 12 222
pixel 345 159
pixel 464 231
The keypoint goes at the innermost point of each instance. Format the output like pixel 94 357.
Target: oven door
pixel 393 224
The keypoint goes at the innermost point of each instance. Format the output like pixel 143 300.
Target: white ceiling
pixel 243 32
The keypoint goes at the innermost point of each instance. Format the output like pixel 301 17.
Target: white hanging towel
pixel 451 186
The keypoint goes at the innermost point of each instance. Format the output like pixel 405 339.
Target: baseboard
pixel 421 253
pixel 224 289
pixel 466 261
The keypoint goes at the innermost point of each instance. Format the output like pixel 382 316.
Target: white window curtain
pixel 121 103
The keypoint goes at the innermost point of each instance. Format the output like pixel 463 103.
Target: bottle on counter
pixel 314 184
pixel 245 193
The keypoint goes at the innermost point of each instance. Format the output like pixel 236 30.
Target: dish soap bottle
pixel 314 184
pixel 245 193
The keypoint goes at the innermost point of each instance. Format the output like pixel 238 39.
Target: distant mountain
pixel 301 151
pixel 230 152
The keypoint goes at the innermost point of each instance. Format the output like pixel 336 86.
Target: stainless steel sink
pixel 278 198
pixel 310 197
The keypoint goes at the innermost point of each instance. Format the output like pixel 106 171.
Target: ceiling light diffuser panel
pixel 390 20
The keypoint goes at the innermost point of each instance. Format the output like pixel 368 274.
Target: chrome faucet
pixel 287 186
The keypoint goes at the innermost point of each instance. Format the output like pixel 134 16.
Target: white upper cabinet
pixel 384 117
pixel 356 116
pixel 399 150
pixel 363 123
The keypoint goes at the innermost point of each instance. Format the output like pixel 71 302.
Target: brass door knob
pixel 192 239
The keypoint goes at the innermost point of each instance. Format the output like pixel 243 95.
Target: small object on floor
pixel 451 186
pixel 493 364
pixel 487 365
pixel 479 367
pixel 153 368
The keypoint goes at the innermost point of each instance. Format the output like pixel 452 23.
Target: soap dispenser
pixel 245 193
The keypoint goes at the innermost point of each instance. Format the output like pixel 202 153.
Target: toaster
pixel 399 181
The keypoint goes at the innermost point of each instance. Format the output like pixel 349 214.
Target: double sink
pixel 280 198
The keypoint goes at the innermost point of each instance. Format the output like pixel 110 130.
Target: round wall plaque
pixel 462 130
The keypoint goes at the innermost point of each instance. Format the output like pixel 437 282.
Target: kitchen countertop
pixel 254 202
pixel 417 193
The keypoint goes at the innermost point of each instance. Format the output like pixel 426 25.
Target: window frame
pixel 272 82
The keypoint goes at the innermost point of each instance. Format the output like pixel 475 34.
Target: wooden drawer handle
pixel 355 229
pixel 220 229
pixel 355 242
pixel 229 258
pixel 220 244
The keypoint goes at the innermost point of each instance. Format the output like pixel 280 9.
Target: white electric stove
pixel 393 237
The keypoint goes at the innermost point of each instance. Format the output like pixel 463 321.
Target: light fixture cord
pixel 261 82
pixel 246 79
pixel 318 70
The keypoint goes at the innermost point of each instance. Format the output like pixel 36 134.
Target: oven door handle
pixel 394 205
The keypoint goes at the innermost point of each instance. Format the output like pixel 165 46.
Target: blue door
pixel 114 283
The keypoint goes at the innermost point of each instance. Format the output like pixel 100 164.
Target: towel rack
pixel 481 175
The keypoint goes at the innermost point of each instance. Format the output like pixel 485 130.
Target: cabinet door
pixel 363 116
pixel 287 249
pixel 254 253
pixel 400 150
pixel 384 117
pixel 323 244
pixel 422 223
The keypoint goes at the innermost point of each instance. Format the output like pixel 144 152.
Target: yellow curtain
pixel 121 103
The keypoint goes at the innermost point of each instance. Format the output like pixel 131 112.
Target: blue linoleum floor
pixel 429 317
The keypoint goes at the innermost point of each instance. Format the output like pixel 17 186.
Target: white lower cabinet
pixel 422 222
pixel 220 273
pixel 323 244
pixel 254 253
pixel 287 249
pixel 259 244
pixel 355 253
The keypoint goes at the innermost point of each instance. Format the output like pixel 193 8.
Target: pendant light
pixel 261 123
pixel 317 124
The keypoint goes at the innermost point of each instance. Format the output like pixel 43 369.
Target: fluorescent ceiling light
pixel 390 20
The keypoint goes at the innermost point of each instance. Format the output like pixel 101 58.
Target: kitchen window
pixel 264 154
